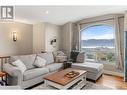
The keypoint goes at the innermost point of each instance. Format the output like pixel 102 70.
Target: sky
pixel 98 32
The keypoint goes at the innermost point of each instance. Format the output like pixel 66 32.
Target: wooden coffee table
pixel 60 81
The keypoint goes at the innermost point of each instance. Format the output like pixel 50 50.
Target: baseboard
pixel 34 86
pixel 114 73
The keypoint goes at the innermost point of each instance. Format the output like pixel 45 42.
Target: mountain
pixel 98 43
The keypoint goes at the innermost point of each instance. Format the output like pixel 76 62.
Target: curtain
pixel 119 49
pixel 77 38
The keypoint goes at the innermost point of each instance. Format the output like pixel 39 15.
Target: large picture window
pixel 98 42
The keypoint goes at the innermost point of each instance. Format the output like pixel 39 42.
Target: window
pixel 99 44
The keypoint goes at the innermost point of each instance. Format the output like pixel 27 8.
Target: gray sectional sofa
pixel 32 75
pixel 94 70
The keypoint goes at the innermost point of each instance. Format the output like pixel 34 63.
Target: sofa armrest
pixel 13 71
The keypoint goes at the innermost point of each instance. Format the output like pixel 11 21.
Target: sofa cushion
pixel 54 66
pixel 48 57
pixel 88 66
pixel 33 73
pixel 28 60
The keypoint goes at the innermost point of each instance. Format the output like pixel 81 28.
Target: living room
pixel 60 41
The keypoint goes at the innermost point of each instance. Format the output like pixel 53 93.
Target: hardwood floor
pixel 112 82
pixel 106 80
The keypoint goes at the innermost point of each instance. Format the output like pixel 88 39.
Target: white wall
pixel 52 31
pixel 43 33
pixel 23 45
pixel 67 33
pixel 38 37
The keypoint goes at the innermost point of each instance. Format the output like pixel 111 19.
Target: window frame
pixel 99 24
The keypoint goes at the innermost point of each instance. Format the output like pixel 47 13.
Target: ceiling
pixel 62 14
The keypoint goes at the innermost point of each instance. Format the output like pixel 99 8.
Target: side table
pixel 67 64
pixel 3 76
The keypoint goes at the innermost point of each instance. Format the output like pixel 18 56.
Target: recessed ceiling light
pixel 47 12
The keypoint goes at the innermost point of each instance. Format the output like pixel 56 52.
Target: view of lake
pixel 97 43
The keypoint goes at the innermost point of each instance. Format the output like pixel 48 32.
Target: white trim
pixel 114 73
pixel 124 55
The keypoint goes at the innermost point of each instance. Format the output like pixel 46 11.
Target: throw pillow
pixel 80 58
pixel 60 53
pixel 20 65
pixel 60 59
pixel 39 62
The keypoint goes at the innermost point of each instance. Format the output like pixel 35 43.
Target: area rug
pixel 88 86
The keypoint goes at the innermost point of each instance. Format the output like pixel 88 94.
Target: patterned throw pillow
pixel 80 58
pixel 20 65
pixel 58 53
pixel 40 62
pixel 60 59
